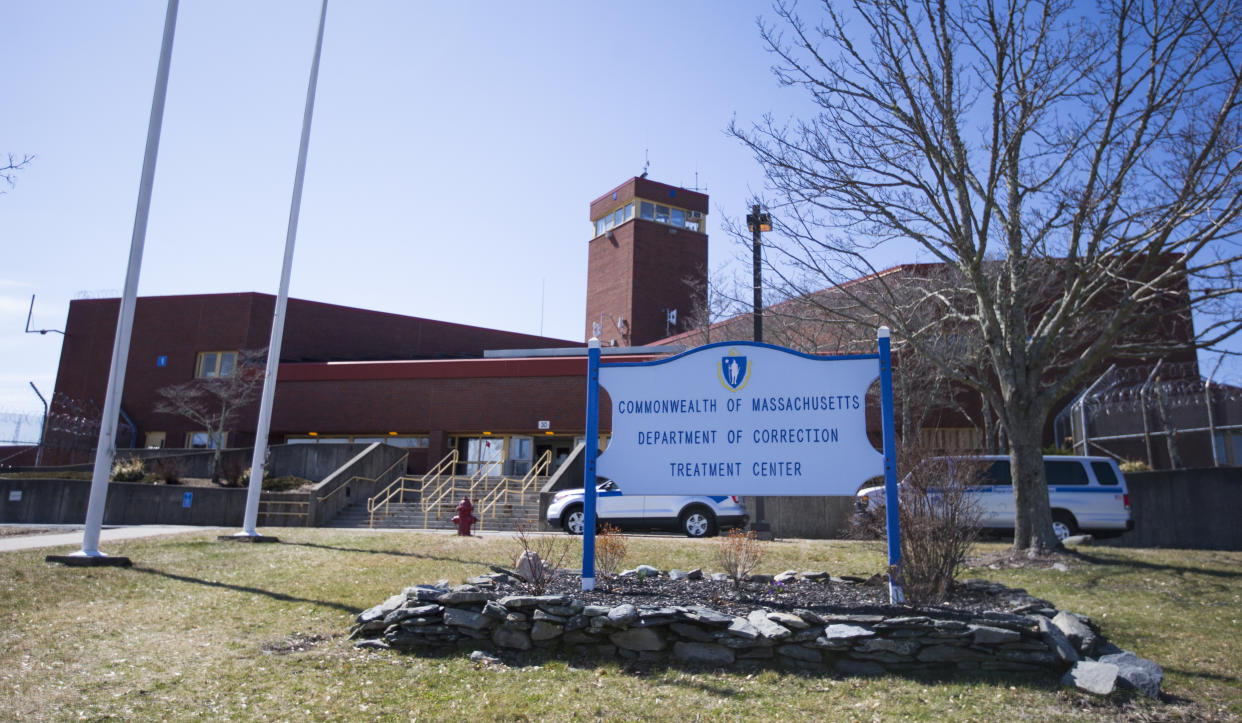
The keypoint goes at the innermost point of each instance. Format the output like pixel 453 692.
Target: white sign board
pixel 740 419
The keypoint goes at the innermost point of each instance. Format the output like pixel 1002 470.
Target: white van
pixel 1087 494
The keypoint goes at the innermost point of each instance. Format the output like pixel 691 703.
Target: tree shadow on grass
pixel 1155 566
pixel 350 609
pixel 394 553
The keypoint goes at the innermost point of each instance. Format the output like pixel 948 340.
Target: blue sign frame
pixel 736 379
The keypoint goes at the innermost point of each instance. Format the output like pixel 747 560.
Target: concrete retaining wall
pixel 365 474
pixel 60 501
pixel 1185 508
pixel 57 501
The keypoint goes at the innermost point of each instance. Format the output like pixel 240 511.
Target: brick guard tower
pixel 647 268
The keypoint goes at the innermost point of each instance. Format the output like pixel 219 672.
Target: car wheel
pixel 574 520
pixel 698 522
pixel 1063 524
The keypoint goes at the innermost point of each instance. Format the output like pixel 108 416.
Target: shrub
pixel 549 552
pixel 739 553
pixel 169 469
pixel 128 469
pixel 1133 465
pixel 610 550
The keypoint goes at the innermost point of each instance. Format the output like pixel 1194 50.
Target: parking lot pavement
pixel 73 535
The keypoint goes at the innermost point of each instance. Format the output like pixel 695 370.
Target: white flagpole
pixel 106 449
pixel 282 298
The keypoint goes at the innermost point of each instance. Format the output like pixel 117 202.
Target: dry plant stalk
pixel 610 550
pixel 739 553
pixel 939 518
pixel 551 551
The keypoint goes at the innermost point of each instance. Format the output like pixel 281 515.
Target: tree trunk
pixel 1033 519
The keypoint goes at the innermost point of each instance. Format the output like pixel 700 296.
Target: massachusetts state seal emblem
pixel 733 371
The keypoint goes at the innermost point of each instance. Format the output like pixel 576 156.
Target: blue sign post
pixel 893 519
pixel 588 475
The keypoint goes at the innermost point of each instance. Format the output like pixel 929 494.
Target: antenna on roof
pixel 646 163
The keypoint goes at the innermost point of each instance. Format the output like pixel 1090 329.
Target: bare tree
pixel 8 172
pixel 1077 171
pixel 213 402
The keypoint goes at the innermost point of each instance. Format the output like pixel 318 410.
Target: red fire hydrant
pixel 464 519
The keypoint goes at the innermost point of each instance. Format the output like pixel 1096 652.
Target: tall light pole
pixel 759 222
pixel 105 450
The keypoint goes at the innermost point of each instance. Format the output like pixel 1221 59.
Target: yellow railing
pixel 466 487
pixel 265 508
pixel 500 493
pixel 434 478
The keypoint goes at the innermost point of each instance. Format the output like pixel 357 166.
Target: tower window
pixel 647 210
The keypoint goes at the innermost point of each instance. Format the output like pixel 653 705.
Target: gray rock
pixel 1078 541
pixel 695 574
pixel 1057 641
pixel 593 611
pixel 810 617
pixel 853 619
pixel 742 628
pixel 904 648
pixel 847 632
pixel 544 630
pixel 530 601
pixel 465 597
pixel 797 652
pixel 529 566
pixel 577 622
pixel 786 577
pixel 484 658
pixel 678 575
pixel 760 579
pixel 466 619
pixel 638 639
pixel 1138 673
pixel 707 616
pixel 988 635
pixel 381 611
pixel 1076 630
pixel 692 632
pixel 703 654
pixel 816 576
pixel 622 615
pixel 767 628
pixel 1097 678
pixel 561 611
pixel 493 609
pixel 506 637
pixel 720 577
pixel 1060 567
pixel 548 617
pixel 793 622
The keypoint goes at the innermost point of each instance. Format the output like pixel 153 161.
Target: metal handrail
pixel 458 485
pixel 404 460
pixel 431 477
pixel 505 488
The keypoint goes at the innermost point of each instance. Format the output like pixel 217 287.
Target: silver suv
pixel 696 516
pixel 1087 494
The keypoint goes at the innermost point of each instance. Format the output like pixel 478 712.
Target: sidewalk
pixel 73 536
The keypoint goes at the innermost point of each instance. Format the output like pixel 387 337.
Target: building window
pixel 155 440
pixel 647 210
pixel 203 440
pixel 216 364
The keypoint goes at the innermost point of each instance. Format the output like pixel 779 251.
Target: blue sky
pixel 455 149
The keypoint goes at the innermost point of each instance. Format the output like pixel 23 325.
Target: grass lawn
pixel 202 629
